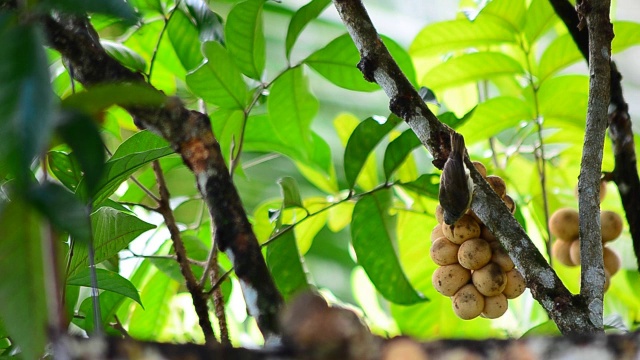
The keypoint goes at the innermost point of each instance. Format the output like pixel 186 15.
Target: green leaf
pixel 195 249
pixel 245 37
pixel 185 39
pixel 547 328
pixel 511 12
pixel 49 198
pixel 471 67
pixel 398 150
pixel 209 24
pixel 137 151
pixel 362 141
pixel 493 116
pixel 300 19
pixel 117 8
pixel 285 265
pixel 109 304
pixel 112 232
pixel 147 323
pixel 337 62
pixel 101 97
pixel 564 98
pixel 627 35
pixel 427 185
pixel 124 55
pixel 447 36
pixel 65 168
pixel 372 230
pixel 218 81
pixel 22 292
pixel 25 96
pixel 539 18
pixel 453 121
pixel 290 192
pixel 80 132
pixel 147 5
pixel 561 53
pixel 107 280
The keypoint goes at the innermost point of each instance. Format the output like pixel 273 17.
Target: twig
pixel 164 29
pixel 199 300
pixel 132 204
pixel 145 189
pixel 377 65
pixel 218 299
pixel 163 257
pixel 118 326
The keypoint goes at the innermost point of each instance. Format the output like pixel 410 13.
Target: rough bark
pixel 569 312
pixel 190 135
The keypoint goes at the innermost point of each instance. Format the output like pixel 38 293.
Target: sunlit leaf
pixel 398 150
pixel 493 116
pixel 218 81
pixel 345 124
pixel 112 232
pixel 22 291
pixel 107 280
pixel 561 53
pixel 372 233
pixel 471 67
pixel 290 192
pixel 300 19
pixel 539 18
pixel 363 140
pixel 147 5
pixel 208 23
pixel 510 11
pixel 185 38
pixel 427 185
pixel 109 304
pixel 446 36
pixel 337 62
pixel 627 35
pixel 285 265
pixel 245 37
pixel 65 168
pixel 145 324
pixel 101 97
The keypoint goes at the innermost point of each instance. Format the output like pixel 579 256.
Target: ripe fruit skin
pixel 611 261
pixel 497 184
pixel 444 252
pixel 564 224
pixel 466 228
pixel 481 168
pixel 495 306
pixel 511 205
pixel 474 254
pixel 486 234
pixel 574 252
pixel 490 280
pixel 468 303
pixel 500 256
pixel 515 284
pixel 611 225
pixel 439 214
pixel 560 252
pixel 448 279
pixel 436 233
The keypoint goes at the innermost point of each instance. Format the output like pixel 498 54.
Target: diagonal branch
pixel 377 65
pixel 625 173
pixel 190 135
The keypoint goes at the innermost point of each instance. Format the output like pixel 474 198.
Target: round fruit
pixel 560 252
pixel 574 251
pixel 490 280
pixel 486 234
pixel 468 303
pixel 474 216
pixel 611 261
pixel 444 252
pixel 515 284
pixel 436 233
pixel 500 256
pixel 611 225
pixel 448 279
pixel 474 254
pixel 607 280
pixel 511 205
pixel 564 224
pixel 498 185
pixel 495 306
pixel 481 168
pixel 466 228
pixel 603 190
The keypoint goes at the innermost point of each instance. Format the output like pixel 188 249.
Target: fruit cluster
pixel 564 225
pixel 474 269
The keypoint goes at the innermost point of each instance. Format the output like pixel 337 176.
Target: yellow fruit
pixel 481 168
pixel 444 252
pixel 490 280
pixel 564 224
pixel 468 303
pixel 611 261
pixel 511 205
pixel 515 284
pixel 497 184
pixel 486 234
pixel 439 214
pixel 436 233
pixel 611 225
pixel 448 279
pixel 500 256
pixel 574 252
pixel 464 229
pixel 560 252
pixel 495 306
pixel 474 254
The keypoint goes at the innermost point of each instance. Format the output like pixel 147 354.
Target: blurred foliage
pixel 343 204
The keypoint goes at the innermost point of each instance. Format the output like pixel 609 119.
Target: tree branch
pixel 625 174
pixel 377 65
pixel 190 135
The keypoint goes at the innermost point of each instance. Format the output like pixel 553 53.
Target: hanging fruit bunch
pixel 564 225
pixel 474 269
